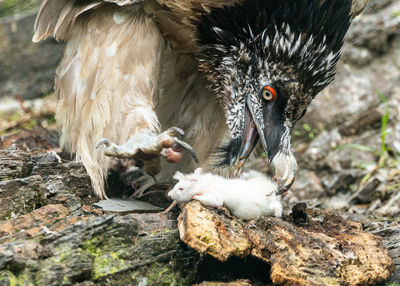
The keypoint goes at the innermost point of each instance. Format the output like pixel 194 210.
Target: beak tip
pixel 284 187
pixel 285 171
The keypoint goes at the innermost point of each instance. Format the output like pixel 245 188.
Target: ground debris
pixel 233 283
pixel 121 206
pixel 319 248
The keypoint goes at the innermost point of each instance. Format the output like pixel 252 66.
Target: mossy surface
pixel 164 274
pixel 25 278
pixel 10 7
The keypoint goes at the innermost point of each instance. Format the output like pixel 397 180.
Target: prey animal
pixel 248 198
pixel 229 73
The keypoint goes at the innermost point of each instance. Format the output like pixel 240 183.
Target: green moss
pixel 92 246
pixel 25 278
pixel 7 278
pixel 306 127
pixel 160 275
pixel 109 263
pixel 296 132
pixel 31 124
pixel 105 260
pixel 51 119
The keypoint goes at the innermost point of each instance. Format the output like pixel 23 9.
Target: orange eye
pixel 269 93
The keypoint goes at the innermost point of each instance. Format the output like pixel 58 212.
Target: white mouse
pixel 245 198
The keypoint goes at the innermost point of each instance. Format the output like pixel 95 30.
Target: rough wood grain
pixel 309 248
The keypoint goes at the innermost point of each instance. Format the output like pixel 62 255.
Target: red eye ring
pixel 269 93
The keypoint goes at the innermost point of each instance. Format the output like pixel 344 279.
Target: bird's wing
pixel 357 7
pixel 57 17
pixel 174 17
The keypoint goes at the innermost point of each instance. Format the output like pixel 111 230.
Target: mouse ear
pixel 178 176
pixel 198 171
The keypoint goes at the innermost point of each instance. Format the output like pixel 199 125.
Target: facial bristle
pixel 224 154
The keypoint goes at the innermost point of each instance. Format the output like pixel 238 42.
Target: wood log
pixel 308 247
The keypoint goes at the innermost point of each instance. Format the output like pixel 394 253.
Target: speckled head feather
pixel 291 45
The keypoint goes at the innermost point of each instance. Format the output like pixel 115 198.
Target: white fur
pixel 245 198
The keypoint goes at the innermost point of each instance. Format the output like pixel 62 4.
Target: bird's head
pixel 266 60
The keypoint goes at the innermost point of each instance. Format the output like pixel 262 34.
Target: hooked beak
pixel 283 161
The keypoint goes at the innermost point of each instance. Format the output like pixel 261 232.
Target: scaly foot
pixel 149 146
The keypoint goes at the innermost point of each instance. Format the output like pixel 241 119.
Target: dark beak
pixel 249 141
pixel 283 161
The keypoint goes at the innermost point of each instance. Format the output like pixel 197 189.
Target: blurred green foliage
pixel 10 7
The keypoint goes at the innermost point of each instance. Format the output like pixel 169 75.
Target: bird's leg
pixel 149 146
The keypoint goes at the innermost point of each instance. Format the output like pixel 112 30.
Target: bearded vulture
pixel 229 73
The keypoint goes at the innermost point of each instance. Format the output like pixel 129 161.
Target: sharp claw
pixel 154 179
pixel 235 169
pixel 183 145
pixel 173 130
pixel 103 141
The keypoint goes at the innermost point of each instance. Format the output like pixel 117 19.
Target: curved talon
pixel 103 141
pixel 173 130
pixel 185 146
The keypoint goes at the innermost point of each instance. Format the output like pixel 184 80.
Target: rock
pixel 376 33
pixel 33 179
pixel 106 249
pixel 391 207
pixel 122 206
pixel 36 138
pixel 369 64
pixel 30 223
pixel 321 248
pixel 358 56
pixel 336 182
pixel 234 283
pixel 218 238
pixel 307 186
pixel 13 165
pixel 28 69
pixel 361 122
pixel 391 238
pixel 319 149
pixel 365 194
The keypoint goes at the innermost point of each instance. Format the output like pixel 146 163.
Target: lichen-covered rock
pixel 107 249
pixel 234 283
pixel 29 180
pixel 52 234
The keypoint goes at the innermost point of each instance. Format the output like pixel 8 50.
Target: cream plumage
pixel 130 66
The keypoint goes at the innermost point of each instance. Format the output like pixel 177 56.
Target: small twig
pixel 171 206
pixel 22 105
